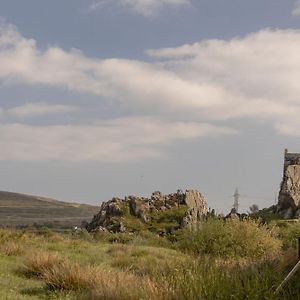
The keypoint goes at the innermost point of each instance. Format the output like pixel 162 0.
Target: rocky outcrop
pixel 162 213
pixel 289 196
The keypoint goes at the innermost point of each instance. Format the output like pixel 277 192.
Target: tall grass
pixel 219 260
pixel 12 248
pixel 60 273
pixel 36 263
pixel 231 239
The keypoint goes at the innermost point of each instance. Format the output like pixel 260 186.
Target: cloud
pixel 255 77
pixel 296 10
pixel 259 73
pixel 144 7
pixel 116 140
pixel 40 108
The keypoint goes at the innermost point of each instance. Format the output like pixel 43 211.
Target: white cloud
pixel 254 77
pixel 296 10
pixel 110 141
pixel 143 7
pixel 259 73
pixel 39 108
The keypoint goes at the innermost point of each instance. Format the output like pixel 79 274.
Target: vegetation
pixel 217 260
pixel 233 238
pixel 168 219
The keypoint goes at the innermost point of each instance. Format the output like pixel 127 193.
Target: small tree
pixel 253 209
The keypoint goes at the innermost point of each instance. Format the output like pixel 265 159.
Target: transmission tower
pixel 236 197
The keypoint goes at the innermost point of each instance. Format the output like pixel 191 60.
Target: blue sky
pixel 117 97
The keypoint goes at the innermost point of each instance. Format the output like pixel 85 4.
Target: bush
pixel 232 238
pixel 289 233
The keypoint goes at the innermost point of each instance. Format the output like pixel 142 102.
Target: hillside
pixel 22 210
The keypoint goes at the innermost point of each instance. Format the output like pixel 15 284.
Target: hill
pixel 25 210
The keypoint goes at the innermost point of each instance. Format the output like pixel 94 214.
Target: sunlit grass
pixel 210 263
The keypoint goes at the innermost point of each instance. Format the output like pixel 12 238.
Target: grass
pixel 156 220
pixel 233 238
pixel 219 260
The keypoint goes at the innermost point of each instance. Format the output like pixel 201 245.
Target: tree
pixel 253 209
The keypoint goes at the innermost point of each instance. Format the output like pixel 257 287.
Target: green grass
pixel 231 239
pixel 144 266
pixel 157 220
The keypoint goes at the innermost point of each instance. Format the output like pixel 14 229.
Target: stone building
pixel 290 159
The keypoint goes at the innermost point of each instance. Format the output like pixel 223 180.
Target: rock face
pixel 160 213
pixel 289 196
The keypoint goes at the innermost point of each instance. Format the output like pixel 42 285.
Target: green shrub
pixel 289 233
pixel 232 238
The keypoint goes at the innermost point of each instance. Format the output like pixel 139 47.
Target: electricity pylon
pixel 236 197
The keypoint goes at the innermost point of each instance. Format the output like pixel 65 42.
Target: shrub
pixel 289 233
pixel 232 238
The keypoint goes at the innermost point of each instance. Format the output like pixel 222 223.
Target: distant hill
pixel 25 210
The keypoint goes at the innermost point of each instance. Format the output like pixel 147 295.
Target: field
pixel 25 210
pixel 218 260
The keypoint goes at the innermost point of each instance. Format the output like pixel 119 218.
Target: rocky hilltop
pixel 160 213
pixel 289 196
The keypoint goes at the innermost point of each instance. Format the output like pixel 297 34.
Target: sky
pixel 103 98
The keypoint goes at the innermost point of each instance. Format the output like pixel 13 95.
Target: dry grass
pixel 11 248
pixel 36 263
pixel 67 275
pixel 123 286
pixel 99 283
